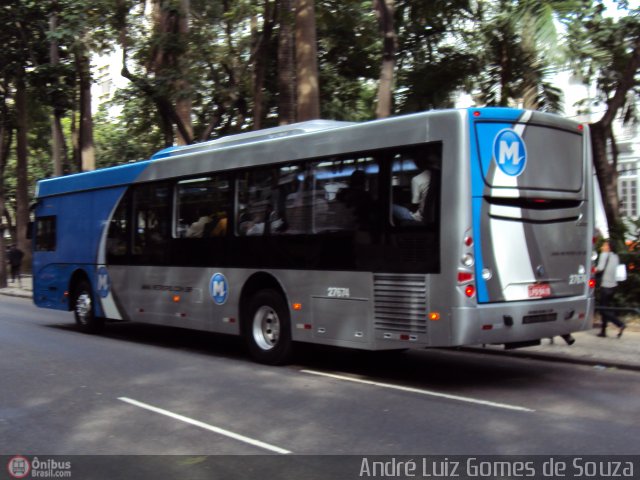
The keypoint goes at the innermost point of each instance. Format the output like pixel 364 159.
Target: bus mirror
pixel 29 234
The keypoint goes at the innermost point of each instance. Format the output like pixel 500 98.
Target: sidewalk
pixel 589 349
pixel 24 289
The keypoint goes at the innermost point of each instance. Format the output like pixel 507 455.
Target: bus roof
pixel 352 136
pixel 253 136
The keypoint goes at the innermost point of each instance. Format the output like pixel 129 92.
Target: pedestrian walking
pixel 14 257
pixel 607 265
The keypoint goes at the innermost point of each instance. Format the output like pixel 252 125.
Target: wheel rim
pixel 266 328
pixel 83 308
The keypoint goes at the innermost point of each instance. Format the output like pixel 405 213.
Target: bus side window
pixel 202 207
pixel 45 234
pixel 345 191
pixel 415 186
pixel 118 235
pixel 152 221
pixel 263 201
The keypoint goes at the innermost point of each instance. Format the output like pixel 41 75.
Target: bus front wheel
pixel 84 309
pixel 267 328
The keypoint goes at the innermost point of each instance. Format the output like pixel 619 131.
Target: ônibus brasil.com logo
pixel 21 467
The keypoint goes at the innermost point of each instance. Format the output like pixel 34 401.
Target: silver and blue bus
pixel 436 229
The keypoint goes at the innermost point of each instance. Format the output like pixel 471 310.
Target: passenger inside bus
pixel 220 228
pixel 197 228
pixel 416 212
pixel 357 199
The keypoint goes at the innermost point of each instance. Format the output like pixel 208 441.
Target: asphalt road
pixel 155 391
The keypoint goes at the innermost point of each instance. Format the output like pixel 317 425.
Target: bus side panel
pixel 176 296
pixel 335 308
pixel 50 284
pixel 80 222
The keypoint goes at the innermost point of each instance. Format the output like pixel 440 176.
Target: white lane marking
pixel 421 391
pixel 206 426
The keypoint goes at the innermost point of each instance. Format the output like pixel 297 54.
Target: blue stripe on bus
pixel 482 147
pixel 503 118
pixel 108 177
pixel 481 284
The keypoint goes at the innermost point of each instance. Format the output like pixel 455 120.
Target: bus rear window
pixel 45 234
pixel 533 157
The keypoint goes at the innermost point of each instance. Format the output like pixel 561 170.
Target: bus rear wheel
pixel 267 328
pixel 84 309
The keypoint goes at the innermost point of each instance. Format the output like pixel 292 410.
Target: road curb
pixel 16 294
pixel 554 358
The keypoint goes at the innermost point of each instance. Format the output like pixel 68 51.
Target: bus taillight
pixel 464 277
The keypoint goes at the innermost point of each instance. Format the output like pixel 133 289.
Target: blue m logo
pixel 219 288
pixel 509 152
pixel 103 282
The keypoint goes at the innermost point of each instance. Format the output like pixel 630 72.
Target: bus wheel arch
pixel 82 303
pixel 265 320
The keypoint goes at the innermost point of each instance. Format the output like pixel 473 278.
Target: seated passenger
pixel 220 230
pixel 196 229
pixel 420 185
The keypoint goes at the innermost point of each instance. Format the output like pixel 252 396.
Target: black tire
pixel 84 309
pixel 267 328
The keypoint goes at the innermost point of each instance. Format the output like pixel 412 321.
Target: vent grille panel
pixel 400 303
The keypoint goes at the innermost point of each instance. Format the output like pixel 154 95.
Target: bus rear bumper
pixel 517 322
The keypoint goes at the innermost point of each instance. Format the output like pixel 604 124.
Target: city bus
pixel 435 229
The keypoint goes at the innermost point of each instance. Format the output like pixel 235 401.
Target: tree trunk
pixel 286 75
pixel 601 131
pixel 57 137
pixel 85 137
pixel 5 143
pixel 22 184
pixel 308 105
pixel 183 98
pixel 606 173
pixel 170 29
pixel 259 56
pixel 166 112
pixel 384 11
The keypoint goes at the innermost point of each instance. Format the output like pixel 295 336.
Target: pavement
pixel 589 349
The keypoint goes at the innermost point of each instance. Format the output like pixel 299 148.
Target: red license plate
pixel 539 290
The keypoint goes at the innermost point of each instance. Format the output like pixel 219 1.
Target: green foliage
pixel 39 149
pixel 599 47
pixel 436 58
pixel 629 253
pixel 518 40
pixel 348 51
pixel 126 138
